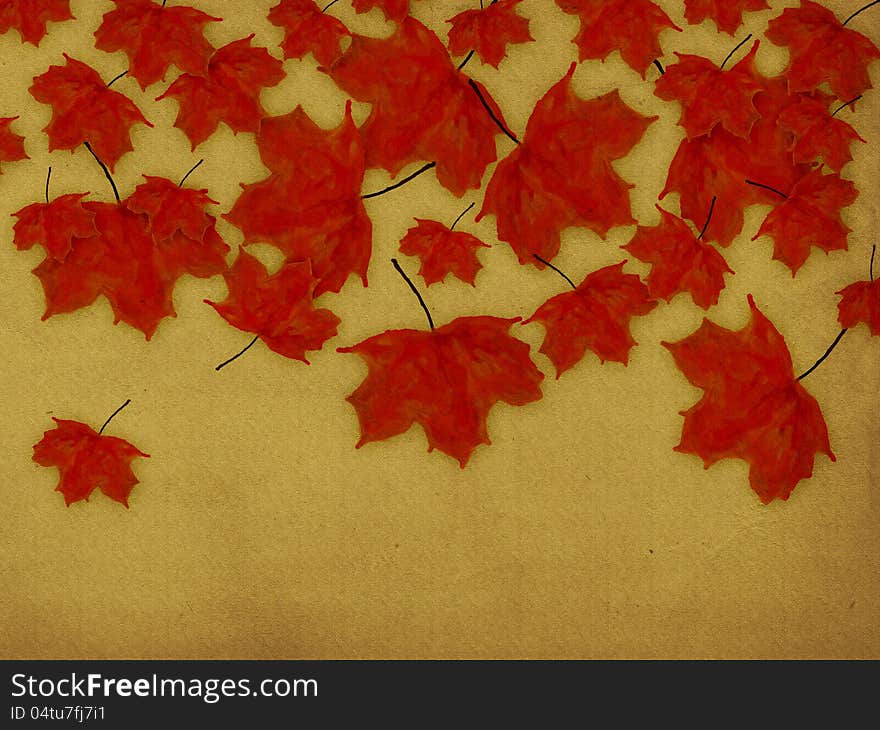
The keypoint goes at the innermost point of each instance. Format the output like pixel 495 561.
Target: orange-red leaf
pixel 155 37
pixel 171 209
pixel 810 216
pixel 727 14
pixel 29 17
pixel 442 251
pixel 85 110
pixel 630 26
pixel 594 316
pixel 87 460
pixel 423 108
pixel 753 408
pixel 307 29
pixel 822 49
pixel 816 133
pixel 561 174
pixel 278 308
pixel 229 92
pixel 11 144
pixel 860 302
pixel 54 225
pixel 446 380
pixel 488 31
pixel 680 262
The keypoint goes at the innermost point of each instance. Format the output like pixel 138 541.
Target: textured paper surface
pixel 259 531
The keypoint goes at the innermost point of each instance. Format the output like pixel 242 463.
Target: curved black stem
pixel 113 415
pixel 104 168
pixel 48 177
pixel 659 66
pixel 116 78
pixel 558 271
pixel 708 217
pixel 860 10
pixel 871 266
pixel 329 5
pixel 405 180
pixel 846 104
pixel 735 49
pixel 467 58
pixel 235 357
pixel 767 187
pixel 412 286
pixel 191 171
pixel 473 85
pixel 461 215
pixel 821 359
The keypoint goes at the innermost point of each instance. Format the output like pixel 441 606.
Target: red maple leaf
pixel 29 17
pixel 680 261
pixel 860 302
pixel 753 408
pixel 561 174
pixel 229 92
pixel 446 380
pixel 308 29
pixel 393 9
pixel 727 14
pixel 816 133
pixel 310 206
pixel 423 108
pixel 595 316
pixel 54 225
pixel 85 110
pixel 630 26
pixel 278 308
pixel 171 209
pixel 442 251
pixel 488 31
pixel 710 96
pixel 822 49
pixel 810 216
pixel 11 144
pixel 87 460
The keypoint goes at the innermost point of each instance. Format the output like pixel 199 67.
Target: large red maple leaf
pixel 155 37
pixel 229 92
pixel 84 109
pixel 308 29
pixel 488 31
pixel 561 174
pixel 11 144
pixel 171 209
pixel 88 460
pixel 55 225
pixel 595 316
pixel 816 133
pixel 29 17
pixel 822 49
pixel 442 251
pixel 630 26
pixel 446 380
pixel 809 216
pixel 753 407
pixel 423 108
pixel 310 206
pixel 727 14
pixel 860 302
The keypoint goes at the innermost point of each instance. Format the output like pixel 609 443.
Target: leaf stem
pixel 735 49
pixel 467 58
pixel 871 266
pixel 191 171
pixel 116 78
pixel 104 168
pixel 708 217
pixel 860 10
pixel 659 66
pixel 48 177
pixel 558 271
pixel 473 85
pixel 827 353
pixel 235 357
pixel 412 286
pixel 461 215
pixel 767 187
pixel 113 415
pixel 846 104
pixel 405 180
pixel 329 5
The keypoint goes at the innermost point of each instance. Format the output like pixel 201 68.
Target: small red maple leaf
pixel 277 308
pixel 595 316
pixel 753 408
pixel 308 29
pixel 54 225
pixel 710 95
pixel 446 380
pixel 442 251
pixel 816 133
pixel 810 216
pixel 395 10
pixel 860 302
pixel 726 14
pixel 822 49
pixel 680 261
pixel 88 460
pixel 423 108
pixel 229 92
pixel 11 144
pixel 310 206
pixel 85 110
pixel 561 174
pixel 29 17
pixel 488 31
pixel 630 26
pixel 171 209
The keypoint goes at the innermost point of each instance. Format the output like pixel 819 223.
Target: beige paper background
pixel 259 531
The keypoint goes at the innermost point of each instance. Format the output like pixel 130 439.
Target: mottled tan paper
pixel 259 531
